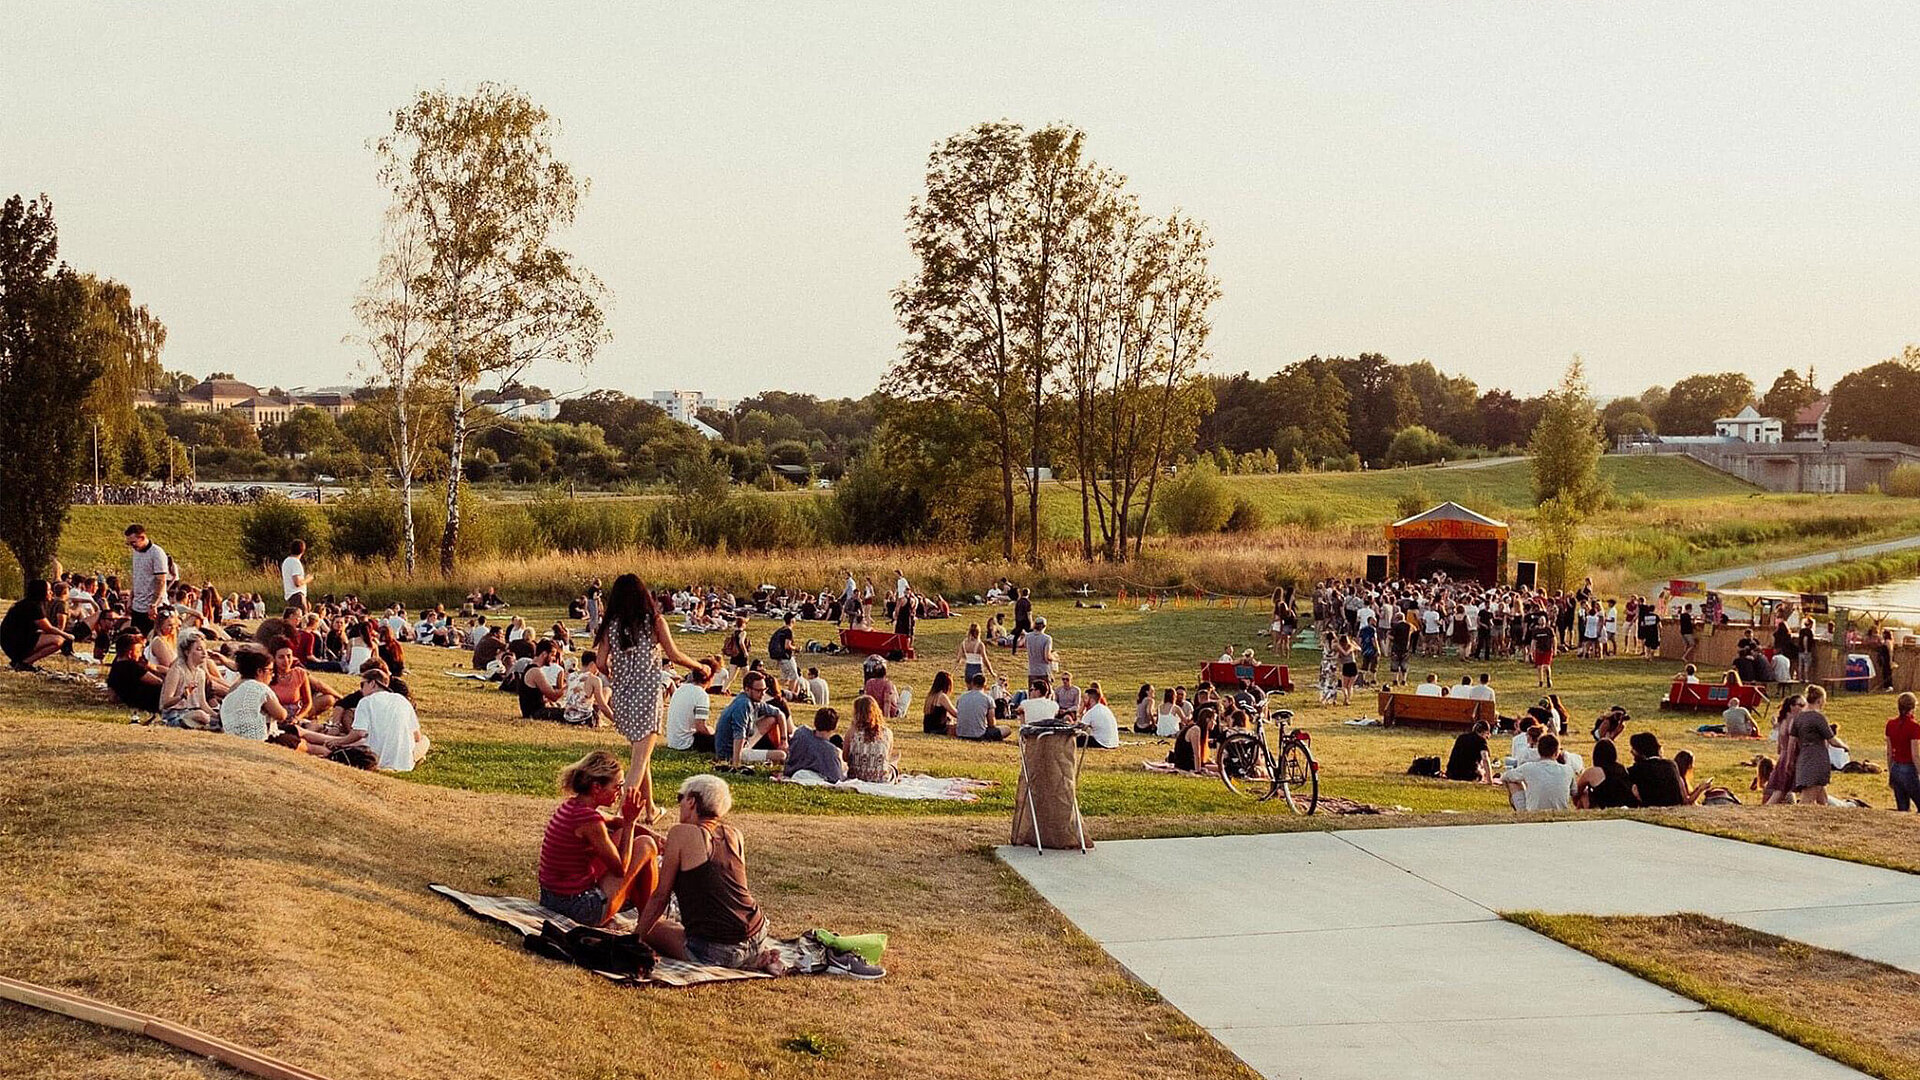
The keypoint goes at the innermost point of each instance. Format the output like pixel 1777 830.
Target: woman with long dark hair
pixel 632 638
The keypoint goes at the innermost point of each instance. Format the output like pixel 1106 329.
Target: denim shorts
pixel 588 908
pixel 732 954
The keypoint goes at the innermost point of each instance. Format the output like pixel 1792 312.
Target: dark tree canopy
pixel 1877 402
pixel 1696 401
pixel 49 361
pixel 1789 393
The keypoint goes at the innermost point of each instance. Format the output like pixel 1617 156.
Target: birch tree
pixel 478 177
pixel 397 333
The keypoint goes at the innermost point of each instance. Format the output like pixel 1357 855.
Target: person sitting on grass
pixel 1469 759
pixel 28 633
pixel 1694 794
pixel 688 711
pixel 131 679
pixel 1068 696
pixel 592 866
pixel 974 712
pixel 384 722
pixel 1655 780
pixel 1144 713
pixel 543 683
pixel 1543 783
pixel 586 702
pixel 870 754
pixel 1605 785
pixel 936 716
pixel 192 689
pixel 1189 753
pixel 743 723
pixel 304 696
pixel 250 705
pixel 704 867
pixel 1103 728
pixel 1038 705
pixel 812 749
pixel 881 689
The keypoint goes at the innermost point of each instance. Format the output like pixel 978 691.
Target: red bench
pixel 877 643
pixel 1225 676
pixel 1419 710
pixel 1711 697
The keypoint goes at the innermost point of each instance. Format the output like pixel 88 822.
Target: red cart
pixel 1711 697
pixel 877 643
pixel 1225 676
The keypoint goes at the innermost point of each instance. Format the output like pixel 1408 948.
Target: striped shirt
pixel 568 865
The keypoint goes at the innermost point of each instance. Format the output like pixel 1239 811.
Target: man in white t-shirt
pixel 1543 783
pixel 1103 726
pixel 689 711
pixel 1039 704
pixel 388 724
pixel 817 692
pixel 1430 688
pixel 294 576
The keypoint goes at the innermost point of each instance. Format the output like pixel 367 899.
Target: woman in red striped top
pixel 593 866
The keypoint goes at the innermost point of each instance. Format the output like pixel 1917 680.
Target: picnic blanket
pixel 471 676
pixel 1169 768
pixel 910 786
pixel 803 955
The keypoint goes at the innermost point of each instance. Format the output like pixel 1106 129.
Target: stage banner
pixel 1681 589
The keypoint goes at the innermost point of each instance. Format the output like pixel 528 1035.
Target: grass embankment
pixel 1854 1011
pixel 1854 573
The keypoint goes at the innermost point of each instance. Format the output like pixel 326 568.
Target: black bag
pixel 594 949
pixel 1424 766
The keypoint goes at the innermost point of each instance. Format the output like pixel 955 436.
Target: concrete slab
pixel 1889 933
pixel 1617 867
pixel 1133 890
pixel 1376 953
pixel 1695 1045
pixel 1412 974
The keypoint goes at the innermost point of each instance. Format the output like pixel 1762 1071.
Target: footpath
pixel 1380 953
pixel 1720 579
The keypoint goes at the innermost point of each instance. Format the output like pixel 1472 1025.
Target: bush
pixel 269 527
pixel 366 525
pixel 1313 516
pixel 1903 482
pixel 571 525
pixel 1417 445
pixel 1412 501
pixel 1246 517
pixel 1195 501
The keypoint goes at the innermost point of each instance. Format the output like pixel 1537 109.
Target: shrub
pixel 571 525
pixel 1412 501
pixel 366 525
pixel 1418 445
pixel 1195 501
pixel 1313 516
pixel 269 527
pixel 1246 517
pixel 1903 482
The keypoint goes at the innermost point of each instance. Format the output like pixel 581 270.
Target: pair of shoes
pixel 18 666
pixel 852 965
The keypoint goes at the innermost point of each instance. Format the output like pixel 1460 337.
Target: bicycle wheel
pixel 1298 779
pixel 1247 766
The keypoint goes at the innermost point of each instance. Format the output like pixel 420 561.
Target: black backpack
pixel 1424 766
pixel 619 955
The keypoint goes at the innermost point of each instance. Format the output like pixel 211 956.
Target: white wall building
pixel 1749 426
pixel 522 409
pixel 685 405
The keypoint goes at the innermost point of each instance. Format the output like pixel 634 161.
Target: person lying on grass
pixel 704 867
pixel 594 866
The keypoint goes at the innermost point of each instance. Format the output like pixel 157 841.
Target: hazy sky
pixel 1662 188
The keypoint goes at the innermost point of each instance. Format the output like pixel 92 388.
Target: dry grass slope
pixel 281 903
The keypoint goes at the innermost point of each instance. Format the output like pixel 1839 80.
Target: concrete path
pixel 1379 953
pixel 1720 579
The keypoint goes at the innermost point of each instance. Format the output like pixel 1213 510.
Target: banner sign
pixel 1681 589
pixel 1813 603
pixel 1444 529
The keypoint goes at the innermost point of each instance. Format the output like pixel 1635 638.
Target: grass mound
pixel 280 902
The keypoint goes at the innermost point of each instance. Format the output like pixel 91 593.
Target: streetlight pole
pixel 96 459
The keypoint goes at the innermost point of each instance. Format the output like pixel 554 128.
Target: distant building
pixel 685 405
pixel 522 409
pixel 1811 422
pixel 259 408
pixel 1748 426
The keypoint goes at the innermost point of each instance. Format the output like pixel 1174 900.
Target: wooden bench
pixel 877 643
pixel 1711 697
pixel 1417 710
pixel 1225 676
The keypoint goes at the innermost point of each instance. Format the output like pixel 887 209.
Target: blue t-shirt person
pixel 735 722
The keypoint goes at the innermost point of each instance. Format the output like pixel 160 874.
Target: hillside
pixel 280 902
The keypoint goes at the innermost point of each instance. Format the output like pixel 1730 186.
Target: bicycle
pixel 1250 767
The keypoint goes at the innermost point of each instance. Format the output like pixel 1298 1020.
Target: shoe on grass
pixel 852 965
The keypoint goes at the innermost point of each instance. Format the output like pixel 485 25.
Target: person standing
pixel 1903 740
pixel 1812 734
pixel 1040 655
pixel 294 576
pixel 632 639
pixel 780 651
pixel 152 570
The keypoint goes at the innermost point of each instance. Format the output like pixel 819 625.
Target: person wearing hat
pixel 1040 654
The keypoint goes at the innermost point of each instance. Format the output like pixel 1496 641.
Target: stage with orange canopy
pixel 1448 539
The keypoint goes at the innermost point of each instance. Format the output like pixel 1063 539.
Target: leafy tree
pixel 51 353
pixel 476 179
pixel 1419 445
pixel 1380 399
pixel 269 527
pixel 1449 404
pixel 1877 402
pixel 304 431
pixel 1558 521
pixel 130 342
pixel 1507 420
pixel 1196 501
pixel 1627 423
pixel 1566 443
pixel 1695 402
pixel 1789 393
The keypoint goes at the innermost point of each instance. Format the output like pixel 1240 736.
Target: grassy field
pixel 279 900
pixel 1852 1010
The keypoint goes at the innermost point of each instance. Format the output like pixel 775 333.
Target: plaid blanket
pixel 802 955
